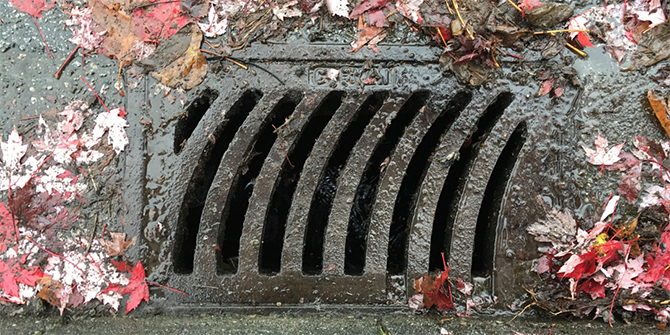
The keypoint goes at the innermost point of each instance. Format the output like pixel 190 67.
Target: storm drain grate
pixel 344 191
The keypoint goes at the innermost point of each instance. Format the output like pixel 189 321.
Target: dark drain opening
pixel 452 190
pixel 186 125
pixel 201 180
pixel 233 213
pixel 322 202
pixel 280 203
pixel 416 171
pixel 357 231
pixel 487 221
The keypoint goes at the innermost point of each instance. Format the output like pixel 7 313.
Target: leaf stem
pixel 43 39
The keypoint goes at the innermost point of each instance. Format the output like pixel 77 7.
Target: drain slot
pixel 280 203
pixel 233 215
pixel 357 231
pixel 317 219
pixel 416 171
pixel 201 180
pixel 458 173
pixel 194 113
pixel 487 221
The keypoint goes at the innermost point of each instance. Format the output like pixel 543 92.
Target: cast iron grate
pixel 344 191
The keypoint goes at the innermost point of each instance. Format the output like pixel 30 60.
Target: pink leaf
pixel 338 7
pixel 602 155
pixel 13 150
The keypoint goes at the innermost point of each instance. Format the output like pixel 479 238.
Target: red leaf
pixel 609 252
pixel 584 40
pixel 365 6
pixel 546 86
pixel 122 266
pixel 558 91
pixel 137 287
pixel 32 7
pixel 376 18
pixel 12 273
pixel 630 184
pixel 159 21
pixel 629 36
pixel 593 288
pixel 579 266
pixel 466 58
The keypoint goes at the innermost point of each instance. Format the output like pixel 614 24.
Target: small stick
pixel 96 94
pixel 579 52
pixel 449 7
pixel 118 81
pixel 439 31
pixel 283 145
pixel 43 39
pixel 54 254
pixel 515 6
pixel 558 31
pixel 460 18
pixel 393 11
pixel 210 52
pixel 169 288
pixel 104 227
pixel 29 118
pixel 236 63
pixel 67 60
pixel 213 46
pixel 90 239
pixel 92 180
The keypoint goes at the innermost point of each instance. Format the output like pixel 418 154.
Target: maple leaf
pixel 121 42
pixel 578 266
pixel 338 7
pixel 630 184
pixel 365 34
pixel 13 150
pixel 33 8
pixel 159 21
pixel 137 287
pixel 215 26
pixel 656 195
pixel 118 245
pixel 593 288
pixel 113 124
pixel 559 228
pixel 287 10
pixel 603 156
pixel 12 273
pixel 89 35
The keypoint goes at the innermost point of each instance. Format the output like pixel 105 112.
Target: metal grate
pixel 311 189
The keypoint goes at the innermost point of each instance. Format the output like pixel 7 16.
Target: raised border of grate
pixel 401 74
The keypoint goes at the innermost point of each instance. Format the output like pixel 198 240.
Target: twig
pixel 169 288
pixel 90 239
pixel 238 63
pixel 53 254
pixel 559 31
pixel 92 180
pixel 210 52
pixel 210 44
pixel 96 94
pixel 449 7
pixel 577 51
pixel 393 11
pixel 43 39
pixel 439 31
pixel 29 118
pixel 515 6
pixel 67 60
pixel 460 18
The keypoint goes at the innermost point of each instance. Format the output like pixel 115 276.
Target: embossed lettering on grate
pixel 341 178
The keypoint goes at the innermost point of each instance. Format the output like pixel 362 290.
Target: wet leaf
pixel 548 15
pixel 121 42
pixel 630 184
pixel 660 108
pixel 365 34
pixel 118 245
pixel 338 7
pixel 602 155
pixel 33 8
pixel 157 19
pixel 558 227
pixel 365 6
pixel 13 150
pixel 215 26
pixel 546 86
pixel 197 8
pixel 50 290
pixel 527 5
pixel 190 68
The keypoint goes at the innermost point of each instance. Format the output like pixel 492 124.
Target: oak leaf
pixel 118 245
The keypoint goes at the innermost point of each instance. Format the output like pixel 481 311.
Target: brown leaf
pixel 118 245
pixel 49 290
pixel 120 40
pixel 660 108
pixel 190 68
pixel 365 34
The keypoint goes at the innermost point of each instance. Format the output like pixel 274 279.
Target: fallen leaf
pixel 114 125
pixel 410 9
pixel 546 87
pixel 89 35
pixel 365 6
pixel 287 10
pixel 121 42
pixel 158 20
pixel 527 5
pixel 602 155
pixel 660 108
pixel 49 291
pixel 215 26
pixel 190 68
pixel 13 150
pixel 559 228
pixel 364 34
pixel 118 245
pixel 338 7
pixel 33 8
pixel 137 287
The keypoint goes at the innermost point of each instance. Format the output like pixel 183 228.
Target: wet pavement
pixel 609 101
